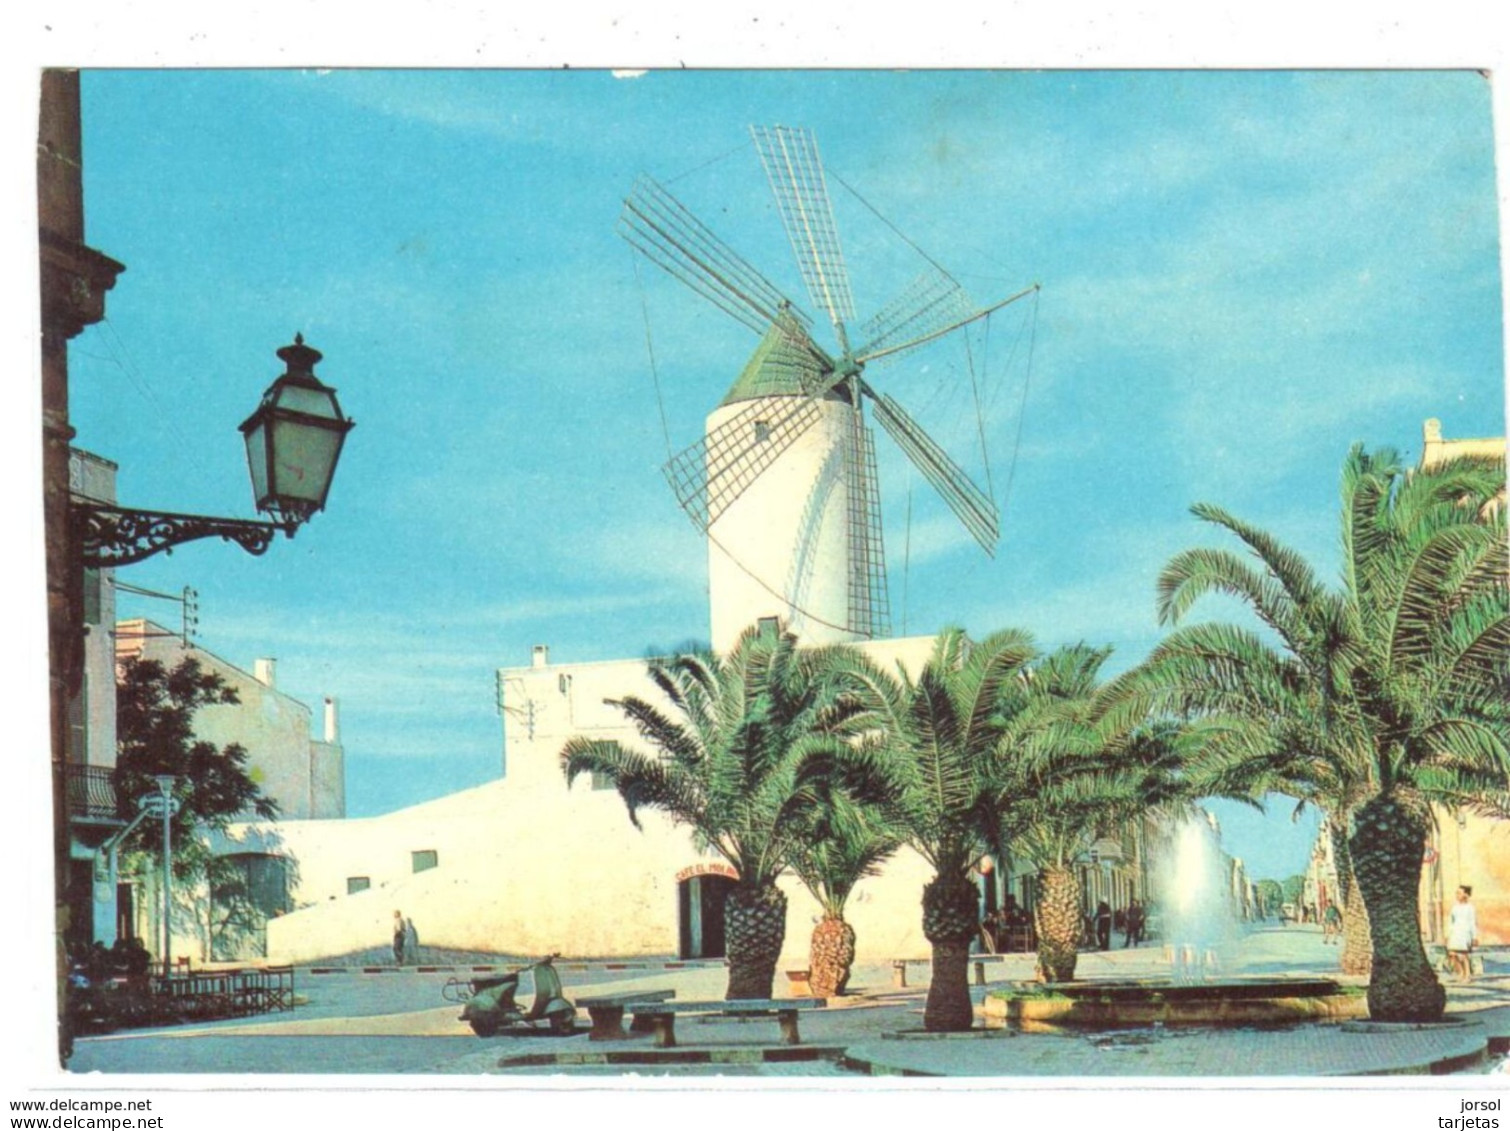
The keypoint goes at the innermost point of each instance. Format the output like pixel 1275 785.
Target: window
pixel 601 781
pixel 424 859
pixel 768 626
pixel 355 884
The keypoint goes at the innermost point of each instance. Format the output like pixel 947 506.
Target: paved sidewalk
pixel 399 1024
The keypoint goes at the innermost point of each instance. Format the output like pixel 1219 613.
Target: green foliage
pixel 752 755
pixel 1078 758
pixel 1270 894
pixel 1293 888
pixel 155 709
pixel 940 735
pixel 1395 683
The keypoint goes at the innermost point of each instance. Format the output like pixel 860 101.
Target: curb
pixel 644 1057
pixel 505 968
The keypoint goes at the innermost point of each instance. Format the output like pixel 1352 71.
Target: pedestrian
pixel 1331 924
pixel 1103 925
pixel 398 938
pixel 1462 934
pixel 1134 924
pixel 411 942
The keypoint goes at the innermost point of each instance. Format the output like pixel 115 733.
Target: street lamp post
pixel 166 802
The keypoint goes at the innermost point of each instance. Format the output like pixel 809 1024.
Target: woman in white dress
pixel 1462 934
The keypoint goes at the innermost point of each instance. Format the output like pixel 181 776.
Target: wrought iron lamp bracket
pixel 115 536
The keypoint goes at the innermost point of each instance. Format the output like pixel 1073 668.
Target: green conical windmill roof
pixel 772 371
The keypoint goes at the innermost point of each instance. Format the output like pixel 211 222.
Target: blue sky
pixel 1242 272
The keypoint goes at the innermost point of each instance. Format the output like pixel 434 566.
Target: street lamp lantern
pixel 294 439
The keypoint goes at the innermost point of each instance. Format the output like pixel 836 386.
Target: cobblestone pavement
pixel 397 1022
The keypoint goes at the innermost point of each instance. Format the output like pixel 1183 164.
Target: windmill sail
pixel 933 301
pixel 661 228
pixel 969 503
pixel 869 601
pixel 709 475
pixel 790 157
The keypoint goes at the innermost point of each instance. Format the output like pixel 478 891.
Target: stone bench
pixel 662 1018
pixel 607 1011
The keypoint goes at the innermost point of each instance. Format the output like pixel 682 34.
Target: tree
pixel 848 841
pixel 1378 698
pixel 1077 759
pixel 751 746
pixel 1269 895
pixel 940 733
pixel 155 709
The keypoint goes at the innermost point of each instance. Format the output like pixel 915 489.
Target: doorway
pixel 700 916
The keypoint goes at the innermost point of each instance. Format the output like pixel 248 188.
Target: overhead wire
pixel 660 402
pixel 121 356
pixel 1022 406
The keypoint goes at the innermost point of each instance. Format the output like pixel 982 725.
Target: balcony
pixel 91 793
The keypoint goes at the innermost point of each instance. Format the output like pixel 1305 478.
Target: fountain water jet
pixel 1198 921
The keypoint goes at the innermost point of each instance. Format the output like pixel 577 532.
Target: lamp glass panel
pixel 304 457
pixel 312 402
pixel 256 458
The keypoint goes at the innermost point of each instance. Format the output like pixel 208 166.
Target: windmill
pixel 783 482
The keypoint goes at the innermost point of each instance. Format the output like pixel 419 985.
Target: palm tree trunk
pixel 1357 954
pixel 949 923
pixel 1059 925
pixel 1387 845
pixel 831 956
pixel 1357 950
pixel 755 922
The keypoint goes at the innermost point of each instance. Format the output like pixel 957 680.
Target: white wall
pixel 527 866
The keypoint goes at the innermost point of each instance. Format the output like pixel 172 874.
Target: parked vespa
pixel 498 1001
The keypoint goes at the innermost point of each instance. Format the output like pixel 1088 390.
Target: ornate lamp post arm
pixel 111 536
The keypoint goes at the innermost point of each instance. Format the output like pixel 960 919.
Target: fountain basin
pixel 1231 1001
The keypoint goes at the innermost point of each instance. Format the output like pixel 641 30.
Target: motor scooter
pixel 495 1002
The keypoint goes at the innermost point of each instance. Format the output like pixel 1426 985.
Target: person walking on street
pixel 1103 925
pixel 398 938
pixel 1462 934
pixel 1331 924
pixel 411 943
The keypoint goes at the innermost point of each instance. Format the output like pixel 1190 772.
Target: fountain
pixel 1199 922
pixel 1199 926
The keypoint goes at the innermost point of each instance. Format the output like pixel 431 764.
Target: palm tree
pixel 1381 697
pixel 848 841
pixel 1077 759
pixel 940 730
pixel 747 751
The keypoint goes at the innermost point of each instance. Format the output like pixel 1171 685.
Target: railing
pixel 207 994
pixel 91 791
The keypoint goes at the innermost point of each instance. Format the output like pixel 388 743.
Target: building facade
pixel 1465 847
pixel 295 757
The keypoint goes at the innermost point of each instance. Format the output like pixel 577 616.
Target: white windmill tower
pixel 783 481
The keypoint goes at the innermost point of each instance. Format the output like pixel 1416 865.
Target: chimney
pixel 332 721
pixel 265 671
pixel 541 657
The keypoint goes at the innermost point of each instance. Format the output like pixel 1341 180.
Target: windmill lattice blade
pixel 661 228
pixel 972 506
pixel 708 476
pixel 790 157
pixel 869 601
pixel 930 302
